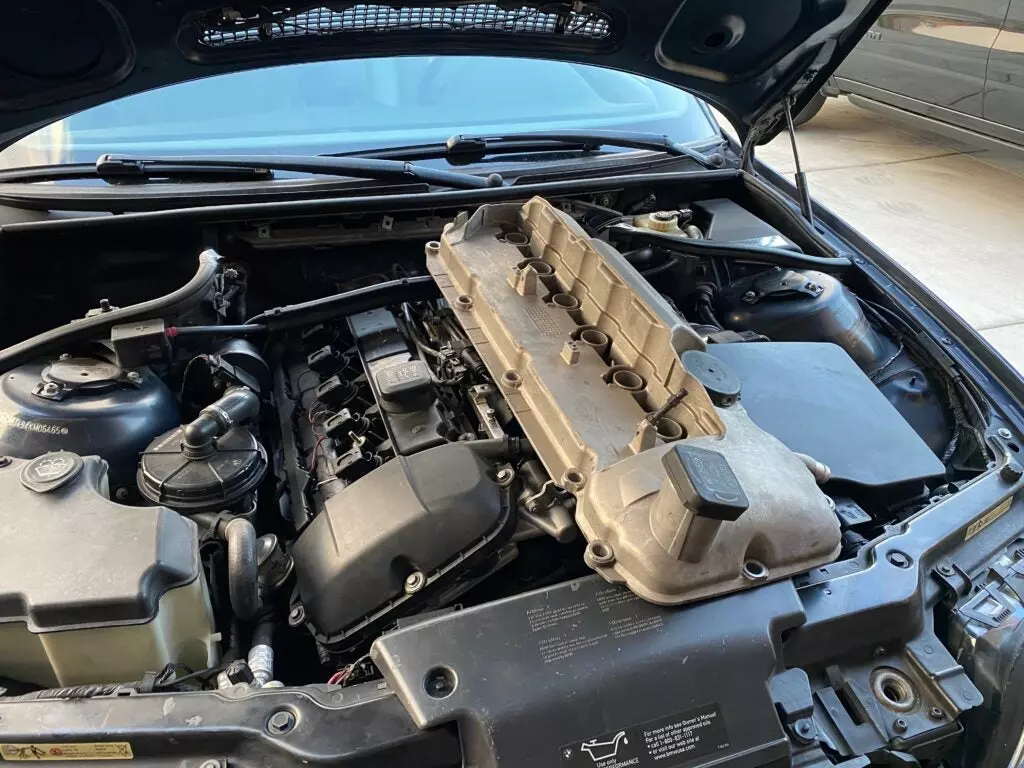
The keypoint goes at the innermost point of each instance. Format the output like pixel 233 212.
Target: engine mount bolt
pixel 935 713
pixel 899 725
pixel 1011 472
pixel 414 582
pixel 1004 433
pixel 281 722
pixel 296 616
pixel 898 559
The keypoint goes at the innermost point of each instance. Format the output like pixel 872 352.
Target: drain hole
pixel 440 682
pixel 754 570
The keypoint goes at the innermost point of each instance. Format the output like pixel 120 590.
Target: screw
pixel 51 387
pixel 898 559
pixel 936 714
pixel 899 725
pixel 1004 433
pixel 65 356
pixel 749 296
pixel 505 476
pixel 1011 472
pixel 414 582
pixel 297 616
pixel 133 377
pixel 5 461
pixel 490 413
pixel 804 729
pixel 947 570
pixel 281 722
pixel 859 260
pixel 210 764
pixel 947 341
pixel 121 494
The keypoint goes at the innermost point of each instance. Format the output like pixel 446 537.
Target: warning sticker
pixel 104 750
pixel 987 519
pixel 665 742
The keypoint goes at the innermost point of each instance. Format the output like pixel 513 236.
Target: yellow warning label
pixel 106 750
pixel 987 519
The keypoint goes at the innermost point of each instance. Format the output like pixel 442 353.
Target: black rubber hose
pixel 501 448
pixel 236 406
pixel 753 253
pixel 57 339
pixel 348 303
pixel 216 330
pixel 243 568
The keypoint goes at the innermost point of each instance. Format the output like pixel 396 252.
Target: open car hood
pixel 745 57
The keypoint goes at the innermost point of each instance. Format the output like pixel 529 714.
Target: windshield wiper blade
pixel 122 167
pixel 462 150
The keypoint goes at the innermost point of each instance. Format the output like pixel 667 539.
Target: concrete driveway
pixel 954 216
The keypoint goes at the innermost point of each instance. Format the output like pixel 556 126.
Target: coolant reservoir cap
pixel 721 382
pixel 51 471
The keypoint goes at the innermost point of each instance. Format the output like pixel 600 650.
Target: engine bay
pixel 455 413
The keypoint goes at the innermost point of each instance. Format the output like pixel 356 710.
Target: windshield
pixel 342 106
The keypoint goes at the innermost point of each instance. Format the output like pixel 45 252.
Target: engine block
pixel 678 496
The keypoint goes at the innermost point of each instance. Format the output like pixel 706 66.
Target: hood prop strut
pixel 801 179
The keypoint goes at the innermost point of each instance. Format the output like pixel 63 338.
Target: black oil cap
pixel 705 482
pixel 721 382
pixel 405 387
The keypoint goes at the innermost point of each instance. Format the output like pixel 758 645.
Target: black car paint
pixel 950 66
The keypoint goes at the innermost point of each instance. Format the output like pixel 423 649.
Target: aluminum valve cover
pixel 678 497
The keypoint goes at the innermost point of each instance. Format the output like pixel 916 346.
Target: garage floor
pixel 954 216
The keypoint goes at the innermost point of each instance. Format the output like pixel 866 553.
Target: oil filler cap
pixel 721 382
pixel 51 471
pixel 704 482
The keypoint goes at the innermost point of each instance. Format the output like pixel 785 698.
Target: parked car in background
pixel 952 66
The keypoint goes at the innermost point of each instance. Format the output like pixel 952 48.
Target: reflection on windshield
pixel 342 106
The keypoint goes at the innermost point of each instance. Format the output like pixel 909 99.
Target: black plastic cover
pixel 74 558
pixel 814 398
pixel 169 474
pixel 585 674
pixel 414 513
pixel 704 481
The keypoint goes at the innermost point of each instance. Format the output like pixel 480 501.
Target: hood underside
pixel 745 57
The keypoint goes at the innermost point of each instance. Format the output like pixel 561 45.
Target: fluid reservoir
pixel 87 405
pixel 92 591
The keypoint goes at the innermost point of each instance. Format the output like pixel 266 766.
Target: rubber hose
pixel 348 303
pixel 243 570
pixel 752 253
pixel 501 448
pixel 57 339
pixel 216 330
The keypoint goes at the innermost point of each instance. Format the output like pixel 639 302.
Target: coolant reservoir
pixel 92 591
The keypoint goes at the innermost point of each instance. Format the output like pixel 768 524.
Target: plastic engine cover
pixel 588 356
pixel 433 513
pixel 92 590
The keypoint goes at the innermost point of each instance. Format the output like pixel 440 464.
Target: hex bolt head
pixel 281 722
pixel 133 377
pixel 414 582
pixel 505 476
pixel 296 616
pixel 1004 433
pixel 947 570
pixel 898 559
pixel 935 713
pixel 1011 472
pixel 899 725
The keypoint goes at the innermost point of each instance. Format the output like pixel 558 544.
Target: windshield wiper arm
pixel 462 149
pixel 124 167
